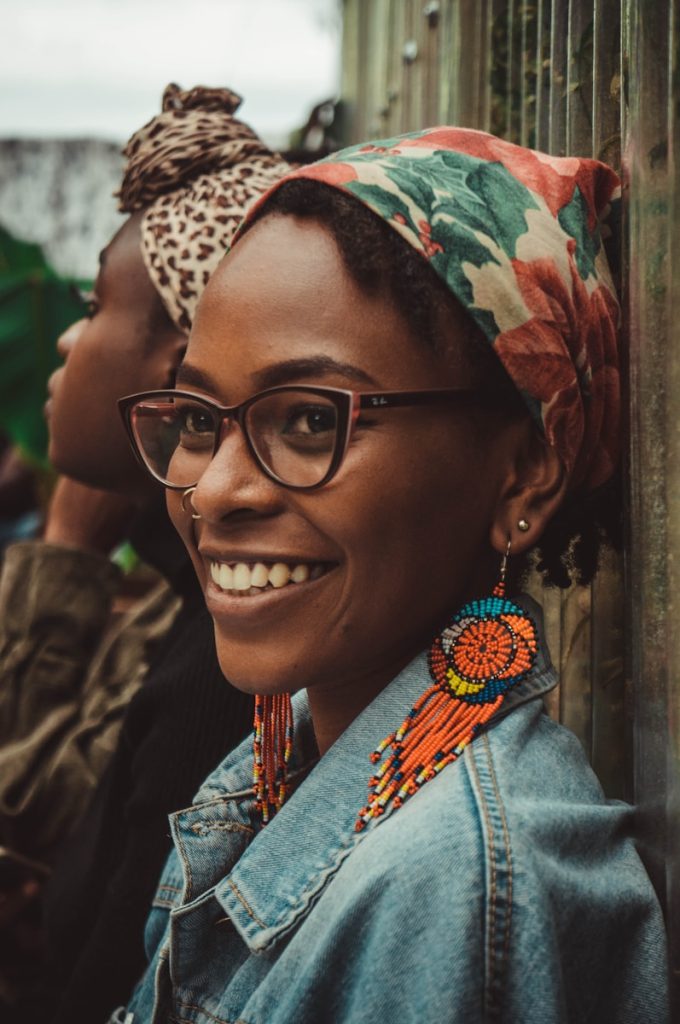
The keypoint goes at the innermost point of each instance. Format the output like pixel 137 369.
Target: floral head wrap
pixel 194 168
pixel 517 236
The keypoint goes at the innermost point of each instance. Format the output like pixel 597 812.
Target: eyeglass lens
pixel 292 432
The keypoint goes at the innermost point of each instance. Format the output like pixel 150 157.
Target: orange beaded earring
pixel 488 646
pixel 272 747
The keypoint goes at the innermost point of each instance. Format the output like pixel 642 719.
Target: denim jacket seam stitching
pixel 217 791
pixel 174 1019
pixel 244 903
pixel 539 686
pixel 489 846
pixel 226 826
pixel 204 800
pixel 310 890
pixel 201 1009
pixel 189 886
pixel 508 850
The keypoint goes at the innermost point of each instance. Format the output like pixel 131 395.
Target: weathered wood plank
pixel 559 24
pixel 543 21
pixel 430 34
pixel 606 143
pixel 563 75
pixel 528 72
pixel 377 109
pixel 651 171
pixel 579 92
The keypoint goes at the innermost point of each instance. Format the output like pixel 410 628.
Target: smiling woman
pixel 138 701
pixel 405 366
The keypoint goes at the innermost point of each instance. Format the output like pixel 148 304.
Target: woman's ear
pixel 534 489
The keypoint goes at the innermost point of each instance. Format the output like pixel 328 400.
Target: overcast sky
pixel 98 67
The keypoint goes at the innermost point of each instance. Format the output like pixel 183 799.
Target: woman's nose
pixel 68 339
pixel 233 482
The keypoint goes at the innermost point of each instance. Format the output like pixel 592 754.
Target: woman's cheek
pixel 180 519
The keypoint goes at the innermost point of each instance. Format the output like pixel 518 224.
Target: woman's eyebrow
pixel 290 370
pixel 308 369
pixel 188 374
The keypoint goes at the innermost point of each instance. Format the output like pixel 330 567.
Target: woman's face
pixel 395 541
pixel 125 345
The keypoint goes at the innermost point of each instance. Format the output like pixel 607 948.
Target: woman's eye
pixel 195 421
pixel 88 299
pixel 310 420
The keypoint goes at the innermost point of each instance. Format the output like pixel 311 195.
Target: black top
pixel 178 727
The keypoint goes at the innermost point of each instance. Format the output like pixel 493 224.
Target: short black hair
pixel 377 257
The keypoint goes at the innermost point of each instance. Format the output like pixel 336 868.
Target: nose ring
pixel 187 494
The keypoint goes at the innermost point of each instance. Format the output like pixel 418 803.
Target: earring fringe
pixel 489 646
pixel 272 748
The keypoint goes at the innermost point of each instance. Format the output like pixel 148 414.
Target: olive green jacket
pixel 68 668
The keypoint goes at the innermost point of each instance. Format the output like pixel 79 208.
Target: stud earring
pixel 487 647
pixel 523 525
pixel 187 495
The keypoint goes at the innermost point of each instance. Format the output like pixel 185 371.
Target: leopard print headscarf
pixel 194 169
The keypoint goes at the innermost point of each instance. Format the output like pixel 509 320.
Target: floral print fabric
pixel 517 236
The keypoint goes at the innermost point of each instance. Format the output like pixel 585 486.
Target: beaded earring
pixel 272 746
pixel 486 648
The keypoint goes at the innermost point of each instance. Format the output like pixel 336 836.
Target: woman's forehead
pixel 121 263
pixel 284 294
pixel 287 274
pixel 282 249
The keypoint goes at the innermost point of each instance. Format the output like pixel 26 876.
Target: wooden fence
pixel 593 78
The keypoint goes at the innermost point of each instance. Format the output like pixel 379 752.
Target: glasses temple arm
pixel 394 399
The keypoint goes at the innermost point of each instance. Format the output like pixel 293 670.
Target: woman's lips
pixel 51 389
pixel 254 606
pixel 250 579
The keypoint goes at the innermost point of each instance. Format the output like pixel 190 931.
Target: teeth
pixel 241 577
pixel 259 575
pixel 279 575
pixel 244 579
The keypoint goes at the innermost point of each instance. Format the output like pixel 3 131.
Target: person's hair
pixel 377 258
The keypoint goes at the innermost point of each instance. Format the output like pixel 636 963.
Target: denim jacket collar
pixel 317 821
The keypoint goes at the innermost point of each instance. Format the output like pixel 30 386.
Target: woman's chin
pixel 263 679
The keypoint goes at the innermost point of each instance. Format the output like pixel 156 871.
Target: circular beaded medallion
pixel 488 647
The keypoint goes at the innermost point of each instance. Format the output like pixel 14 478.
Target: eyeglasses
pixel 298 436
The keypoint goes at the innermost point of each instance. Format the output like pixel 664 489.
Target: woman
pixel 353 467
pixel 127 719
pixel 66 681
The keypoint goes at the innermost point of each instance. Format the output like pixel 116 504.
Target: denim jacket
pixel 506 889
